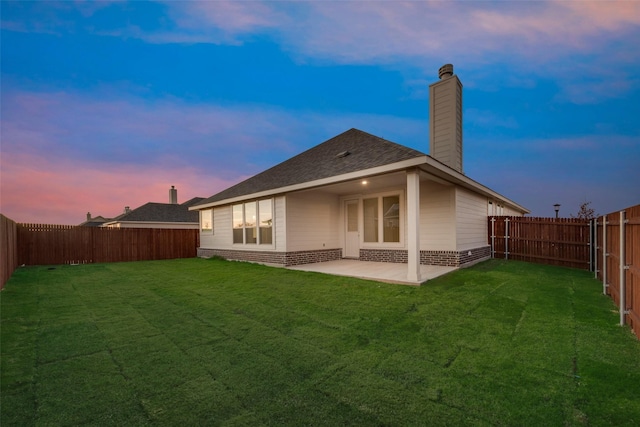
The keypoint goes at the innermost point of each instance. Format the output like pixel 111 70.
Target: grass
pixel 210 342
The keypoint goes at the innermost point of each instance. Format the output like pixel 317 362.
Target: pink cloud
pixel 356 31
pixel 41 189
pixel 232 16
pixel 64 154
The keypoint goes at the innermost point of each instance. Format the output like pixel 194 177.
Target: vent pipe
pixel 445 71
pixel 173 195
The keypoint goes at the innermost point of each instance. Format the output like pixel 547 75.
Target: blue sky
pixel 108 104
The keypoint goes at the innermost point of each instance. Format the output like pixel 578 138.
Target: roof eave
pixel 426 163
pixel 392 167
pixel 443 171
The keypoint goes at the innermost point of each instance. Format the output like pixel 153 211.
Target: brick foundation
pixel 473 256
pixel 444 258
pixel 384 255
pixel 285 259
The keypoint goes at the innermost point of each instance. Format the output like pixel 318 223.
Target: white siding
pixel 437 216
pixel 222 236
pixel 471 219
pixel 313 221
pixel 511 212
pixel 497 208
pixel 280 223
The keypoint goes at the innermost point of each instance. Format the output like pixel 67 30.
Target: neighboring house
pixel 159 215
pixel 363 197
pixel 95 221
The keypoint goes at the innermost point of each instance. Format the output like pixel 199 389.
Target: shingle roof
pixel 351 151
pixel 162 212
pixel 95 222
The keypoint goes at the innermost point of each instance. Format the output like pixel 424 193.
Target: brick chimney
pixel 88 216
pixel 445 119
pixel 173 195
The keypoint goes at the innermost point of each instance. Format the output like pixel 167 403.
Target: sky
pixel 108 104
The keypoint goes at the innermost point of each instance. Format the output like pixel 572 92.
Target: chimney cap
pixel 445 71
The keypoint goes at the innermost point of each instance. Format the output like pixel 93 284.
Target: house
pixel 159 215
pixel 95 221
pixel 362 197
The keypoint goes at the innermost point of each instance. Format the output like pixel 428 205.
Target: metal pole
pixel 506 238
pixel 590 245
pixel 493 237
pixel 595 248
pixel 623 303
pixel 604 255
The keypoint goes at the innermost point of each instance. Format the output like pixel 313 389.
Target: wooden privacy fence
pixel 617 262
pixel 43 244
pixel 556 241
pixel 8 249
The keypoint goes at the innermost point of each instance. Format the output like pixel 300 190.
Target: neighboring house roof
pixel 162 212
pixel 95 222
pixel 351 151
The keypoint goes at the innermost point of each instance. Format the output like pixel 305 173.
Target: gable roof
pixel 95 221
pixel 351 151
pixel 162 212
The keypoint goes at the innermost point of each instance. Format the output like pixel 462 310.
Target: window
pixel 206 220
pixel 238 223
pixel 250 226
pixel 391 225
pixel 253 222
pixel 266 222
pixel 370 207
pixel 387 208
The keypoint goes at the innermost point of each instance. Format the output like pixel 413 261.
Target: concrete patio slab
pixel 379 271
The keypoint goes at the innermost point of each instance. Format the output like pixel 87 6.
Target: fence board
pixel 632 261
pixel 8 249
pixel 43 244
pixel 556 241
pixel 608 256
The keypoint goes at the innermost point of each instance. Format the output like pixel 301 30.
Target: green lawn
pixel 210 342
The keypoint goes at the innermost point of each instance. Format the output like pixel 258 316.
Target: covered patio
pixel 380 271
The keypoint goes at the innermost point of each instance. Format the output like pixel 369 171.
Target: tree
pixel 585 212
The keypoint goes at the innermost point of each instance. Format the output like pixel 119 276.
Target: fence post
pixel 493 237
pixel 595 248
pixel 604 255
pixel 591 245
pixel 623 264
pixel 506 238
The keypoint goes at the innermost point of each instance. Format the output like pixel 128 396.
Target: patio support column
pixel 413 225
